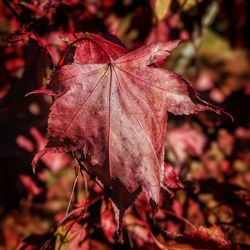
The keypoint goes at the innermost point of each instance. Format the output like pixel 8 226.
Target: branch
pixel 9 6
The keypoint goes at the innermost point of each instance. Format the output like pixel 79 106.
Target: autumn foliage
pixel 106 142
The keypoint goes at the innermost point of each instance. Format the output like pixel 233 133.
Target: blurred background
pixel 210 153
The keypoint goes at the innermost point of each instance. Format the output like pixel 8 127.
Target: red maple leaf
pixel 213 234
pixel 114 112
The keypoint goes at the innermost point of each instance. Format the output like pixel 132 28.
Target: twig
pixel 82 208
pixel 179 217
pixel 73 189
pixel 8 5
pixel 145 223
pixel 35 10
pixel 86 190
pixel 82 167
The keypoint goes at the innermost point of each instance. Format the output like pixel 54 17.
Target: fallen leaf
pixel 211 234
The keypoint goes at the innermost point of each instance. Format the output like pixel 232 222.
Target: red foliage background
pixel 208 204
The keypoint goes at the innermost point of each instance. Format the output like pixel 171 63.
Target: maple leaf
pixel 185 141
pixel 213 234
pixel 107 221
pixel 115 114
pixel 31 187
pixel 171 178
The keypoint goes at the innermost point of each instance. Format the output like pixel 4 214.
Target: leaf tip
pixel 36 159
pixel 41 91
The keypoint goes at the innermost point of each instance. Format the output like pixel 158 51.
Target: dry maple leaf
pixel 115 113
pixel 213 234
